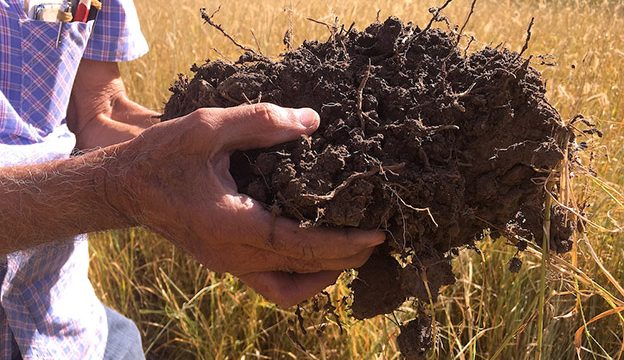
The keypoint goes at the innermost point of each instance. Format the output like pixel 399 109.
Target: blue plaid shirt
pixel 48 309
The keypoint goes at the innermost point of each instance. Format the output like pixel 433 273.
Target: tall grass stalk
pixel 543 272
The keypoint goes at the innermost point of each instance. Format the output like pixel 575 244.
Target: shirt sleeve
pixel 116 33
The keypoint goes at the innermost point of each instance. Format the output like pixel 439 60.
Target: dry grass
pixel 186 312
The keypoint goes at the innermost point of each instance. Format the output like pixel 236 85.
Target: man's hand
pixel 175 180
pixel 100 113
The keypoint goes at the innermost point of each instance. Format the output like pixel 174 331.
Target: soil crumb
pixel 416 138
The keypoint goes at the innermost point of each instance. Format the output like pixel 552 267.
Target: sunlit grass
pixel 186 312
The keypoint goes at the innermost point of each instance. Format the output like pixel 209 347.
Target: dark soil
pixel 415 338
pixel 416 138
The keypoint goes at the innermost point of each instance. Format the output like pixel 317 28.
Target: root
pixel 351 179
pixel 528 38
pixel 208 19
pixel 461 31
pixel 332 29
pixel 436 16
pixel 360 95
pixel 427 210
pixel 472 39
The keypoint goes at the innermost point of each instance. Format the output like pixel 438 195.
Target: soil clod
pixel 416 138
pixel 415 338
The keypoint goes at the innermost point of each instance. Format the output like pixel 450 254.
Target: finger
pixel 290 239
pixel 263 260
pixel 263 230
pixel 285 289
pixel 262 125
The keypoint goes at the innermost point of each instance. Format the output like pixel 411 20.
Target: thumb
pixel 262 125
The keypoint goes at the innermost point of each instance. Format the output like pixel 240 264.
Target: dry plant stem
pixel 528 317
pixel 611 279
pixel 253 35
pixel 288 36
pixel 578 337
pixel 566 192
pixel 577 288
pixel 600 264
pixel 472 39
pixel 562 266
pixel 543 271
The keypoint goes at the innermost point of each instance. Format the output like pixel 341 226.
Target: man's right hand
pixel 174 179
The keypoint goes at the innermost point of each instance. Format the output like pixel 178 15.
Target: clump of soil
pixel 416 138
pixel 415 338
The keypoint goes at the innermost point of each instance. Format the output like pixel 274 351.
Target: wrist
pixel 112 185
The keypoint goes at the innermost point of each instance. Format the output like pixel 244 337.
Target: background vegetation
pixel 187 312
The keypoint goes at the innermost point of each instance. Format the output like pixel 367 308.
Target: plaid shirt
pixel 48 309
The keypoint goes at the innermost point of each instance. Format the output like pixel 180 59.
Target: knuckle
pixel 307 251
pixel 274 241
pixel 343 242
pixel 206 118
pixel 304 265
pixel 201 115
pixel 202 112
pixel 197 126
pixel 304 245
pixel 256 234
pixel 289 265
pixel 266 112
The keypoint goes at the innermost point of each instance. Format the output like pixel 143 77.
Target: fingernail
pixel 307 117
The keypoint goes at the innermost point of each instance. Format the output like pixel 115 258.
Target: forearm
pixel 56 200
pixel 100 113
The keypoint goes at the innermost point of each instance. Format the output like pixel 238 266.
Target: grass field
pixel 187 312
